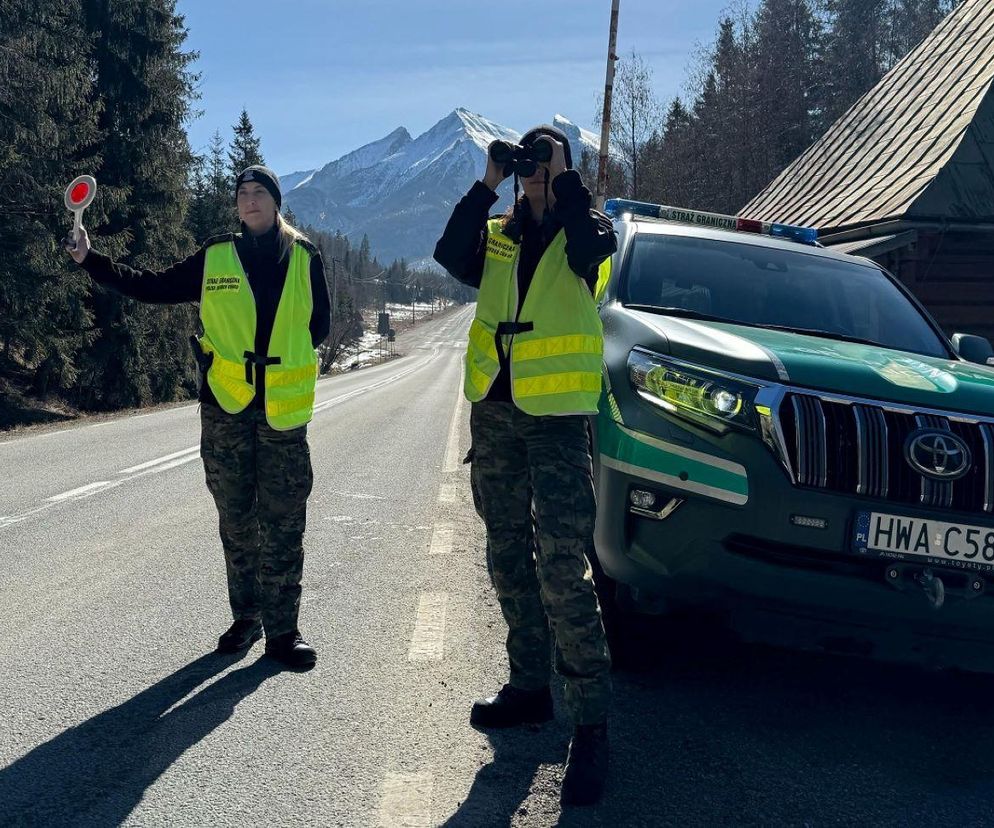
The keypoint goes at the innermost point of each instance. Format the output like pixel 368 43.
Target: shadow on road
pixel 501 787
pixel 95 773
pixel 715 732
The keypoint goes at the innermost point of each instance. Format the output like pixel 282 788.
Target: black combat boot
pixel 586 767
pixel 512 707
pixel 291 649
pixel 240 636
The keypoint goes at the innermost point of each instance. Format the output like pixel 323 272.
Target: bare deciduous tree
pixel 635 117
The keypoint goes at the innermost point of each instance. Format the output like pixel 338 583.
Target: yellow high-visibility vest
pixel 556 343
pixel 227 312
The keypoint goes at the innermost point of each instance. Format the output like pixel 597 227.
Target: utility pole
pixel 612 58
pixel 334 292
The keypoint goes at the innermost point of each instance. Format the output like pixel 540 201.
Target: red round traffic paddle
pixel 79 194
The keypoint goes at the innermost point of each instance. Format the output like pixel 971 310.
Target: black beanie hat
pixel 264 176
pixel 553 132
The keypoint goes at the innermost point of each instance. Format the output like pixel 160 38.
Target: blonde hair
pixel 288 234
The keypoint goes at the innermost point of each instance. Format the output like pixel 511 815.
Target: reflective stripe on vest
pixel 228 315
pixel 557 342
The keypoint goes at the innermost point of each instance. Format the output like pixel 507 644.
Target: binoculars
pixel 521 160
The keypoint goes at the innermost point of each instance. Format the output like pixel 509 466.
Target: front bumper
pixel 744 555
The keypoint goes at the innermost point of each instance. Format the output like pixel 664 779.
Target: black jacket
pixel 590 239
pixel 182 283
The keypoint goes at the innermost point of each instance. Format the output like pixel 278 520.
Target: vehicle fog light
pixel 725 402
pixel 809 522
pixel 642 499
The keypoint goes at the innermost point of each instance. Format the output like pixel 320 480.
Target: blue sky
pixel 322 77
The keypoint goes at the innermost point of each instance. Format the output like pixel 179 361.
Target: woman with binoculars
pixel 533 375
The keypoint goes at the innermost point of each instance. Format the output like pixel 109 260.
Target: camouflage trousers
pixel 533 479
pixel 260 479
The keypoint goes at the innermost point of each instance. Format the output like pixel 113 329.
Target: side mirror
pixel 973 348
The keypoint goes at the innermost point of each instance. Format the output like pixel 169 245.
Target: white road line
pixel 358 495
pixel 428 641
pixel 80 426
pixel 92 489
pixel 10 520
pixel 179 458
pixel 159 460
pixel 441 539
pixel 82 490
pixel 175 463
pixel 36 436
pixel 323 406
pixel 319 407
pixel 452 459
pixel 406 800
pixel 448 493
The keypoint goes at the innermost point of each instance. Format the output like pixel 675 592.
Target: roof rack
pixel 622 208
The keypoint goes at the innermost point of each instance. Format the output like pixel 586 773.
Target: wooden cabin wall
pixel 952 274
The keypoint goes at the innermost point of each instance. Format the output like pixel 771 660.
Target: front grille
pixel 858 448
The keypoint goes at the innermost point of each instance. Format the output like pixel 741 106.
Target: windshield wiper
pixel 818 332
pixel 684 312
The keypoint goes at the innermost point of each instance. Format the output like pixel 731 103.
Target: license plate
pixel 961 545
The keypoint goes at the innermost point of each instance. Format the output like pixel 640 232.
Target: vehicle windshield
pixel 749 284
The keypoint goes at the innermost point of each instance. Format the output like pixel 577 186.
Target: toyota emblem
pixel 938 454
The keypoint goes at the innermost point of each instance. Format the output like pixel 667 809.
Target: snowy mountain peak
pixel 579 138
pixel 478 129
pixel 369 155
pixel 295 179
pixel 400 190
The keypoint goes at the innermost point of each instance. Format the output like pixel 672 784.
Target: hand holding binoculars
pixel 521 160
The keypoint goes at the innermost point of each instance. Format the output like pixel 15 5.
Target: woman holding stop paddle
pixel 264 307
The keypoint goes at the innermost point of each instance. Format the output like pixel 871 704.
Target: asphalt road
pixel 116 711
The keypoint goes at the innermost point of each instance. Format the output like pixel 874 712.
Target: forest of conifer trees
pixel 107 88
pixel 778 74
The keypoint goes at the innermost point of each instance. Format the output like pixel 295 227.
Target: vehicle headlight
pixel 708 398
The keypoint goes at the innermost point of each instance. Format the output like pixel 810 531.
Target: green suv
pixel 788 437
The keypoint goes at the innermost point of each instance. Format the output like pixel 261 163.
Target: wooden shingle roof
pixel 919 145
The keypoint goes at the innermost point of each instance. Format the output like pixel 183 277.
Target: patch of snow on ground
pixel 372 348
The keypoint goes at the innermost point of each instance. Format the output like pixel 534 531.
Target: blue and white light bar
pixel 616 207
